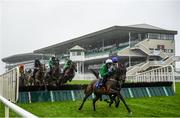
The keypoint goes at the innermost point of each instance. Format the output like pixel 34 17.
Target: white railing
pixel 133 69
pixel 170 60
pixel 145 66
pixel 9 84
pixel 160 74
pixel 144 48
pixel 163 54
pixel 15 108
pixel 87 76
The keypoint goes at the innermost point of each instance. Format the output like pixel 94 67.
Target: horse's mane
pixel 95 73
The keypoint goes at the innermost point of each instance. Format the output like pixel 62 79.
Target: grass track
pixel 146 107
pixel 79 82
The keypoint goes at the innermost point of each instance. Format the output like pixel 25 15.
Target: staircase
pixel 141 46
pixel 145 65
pixel 133 69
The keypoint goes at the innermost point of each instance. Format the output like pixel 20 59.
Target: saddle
pixel 99 85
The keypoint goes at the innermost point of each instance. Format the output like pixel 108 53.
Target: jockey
pixel 67 65
pixel 37 64
pixel 105 72
pixel 21 69
pixel 52 63
pixel 115 63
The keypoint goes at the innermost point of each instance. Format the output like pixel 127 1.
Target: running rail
pixel 9 84
pixel 15 108
pixel 161 74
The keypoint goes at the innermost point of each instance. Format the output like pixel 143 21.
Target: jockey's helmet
pixel 69 61
pixel 114 59
pixel 109 61
pixel 53 58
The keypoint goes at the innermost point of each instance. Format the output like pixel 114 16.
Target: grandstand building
pixel 141 47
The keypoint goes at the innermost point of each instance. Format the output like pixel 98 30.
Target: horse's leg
pixel 117 102
pixel 111 100
pixel 94 101
pixel 62 80
pixel 86 96
pixel 29 81
pixel 127 107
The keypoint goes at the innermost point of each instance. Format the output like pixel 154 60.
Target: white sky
pixel 27 25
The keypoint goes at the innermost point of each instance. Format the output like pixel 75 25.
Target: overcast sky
pixel 27 25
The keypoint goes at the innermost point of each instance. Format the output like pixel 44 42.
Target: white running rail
pixel 87 76
pixel 9 84
pixel 15 108
pixel 161 74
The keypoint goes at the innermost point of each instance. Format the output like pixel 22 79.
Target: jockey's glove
pixel 110 73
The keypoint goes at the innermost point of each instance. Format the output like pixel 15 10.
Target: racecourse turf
pixel 141 107
pixel 79 82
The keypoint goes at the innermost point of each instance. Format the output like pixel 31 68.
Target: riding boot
pixel 100 82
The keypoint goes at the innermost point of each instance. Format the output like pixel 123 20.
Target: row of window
pixel 78 53
pixel 151 36
pixel 160 36
pixel 164 50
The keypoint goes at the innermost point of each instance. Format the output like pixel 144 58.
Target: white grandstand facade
pixel 141 47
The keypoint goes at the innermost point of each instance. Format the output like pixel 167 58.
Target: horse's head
pixel 120 72
pixel 73 66
pixel 41 67
pixel 56 69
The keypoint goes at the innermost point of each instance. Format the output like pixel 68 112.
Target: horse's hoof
pixel 130 113
pixel 117 106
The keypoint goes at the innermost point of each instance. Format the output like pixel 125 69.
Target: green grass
pixel 79 82
pixel 146 107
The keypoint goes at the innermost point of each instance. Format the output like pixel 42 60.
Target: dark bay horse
pixel 39 76
pixel 122 70
pixel 111 89
pixel 56 73
pixel 68 74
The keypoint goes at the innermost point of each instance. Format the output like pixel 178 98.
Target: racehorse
pixel 56 73
pixel 122 71
pixel 112 86
pixel 29 81
pixel 39 76
pixel 68 74
pixel 22 78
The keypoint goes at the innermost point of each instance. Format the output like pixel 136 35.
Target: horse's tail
pixel 95 73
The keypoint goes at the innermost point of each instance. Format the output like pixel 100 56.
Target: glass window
pixel 171 50
pixel 78 53
pixel 160 47
pixel 165 50
pixel 151 48
pixel 153 36
pixel 171 37
pixel 164 36
pixel 73 53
